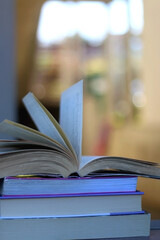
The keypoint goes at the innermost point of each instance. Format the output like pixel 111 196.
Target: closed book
pixel 86 227
pixel 69 205
pixel 38 186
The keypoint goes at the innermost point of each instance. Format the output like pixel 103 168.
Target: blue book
pixel 62 186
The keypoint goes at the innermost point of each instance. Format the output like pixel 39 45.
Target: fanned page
pixel 45 122
pixel 90 164
pixel 23 132
pixel 71 115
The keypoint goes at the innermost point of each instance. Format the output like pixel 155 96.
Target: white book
pixel 71 205
pixel 62 228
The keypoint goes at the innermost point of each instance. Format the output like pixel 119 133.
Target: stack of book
pixel 72 208
pixel 67 196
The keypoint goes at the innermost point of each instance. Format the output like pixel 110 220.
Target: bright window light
pixel 119 23
pixel 55 22
pixel 136 16
pixel 92 20
pixel 59 20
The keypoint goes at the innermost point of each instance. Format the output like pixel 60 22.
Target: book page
pixel 121 164
pixel 45 122
pixel 71 115
pixel 87 159
pixel 23 132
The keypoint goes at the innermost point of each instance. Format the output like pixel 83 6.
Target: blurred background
pixel 46 46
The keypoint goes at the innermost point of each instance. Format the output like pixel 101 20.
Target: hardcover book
pixel 71 204
pixel 82 227
pixel 61 186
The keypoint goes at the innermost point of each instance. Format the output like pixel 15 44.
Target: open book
pixel 55 149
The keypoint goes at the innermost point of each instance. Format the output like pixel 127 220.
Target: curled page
pixel 71 115
pixel 45 122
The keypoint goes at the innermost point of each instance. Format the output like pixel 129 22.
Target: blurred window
pixel 96 41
